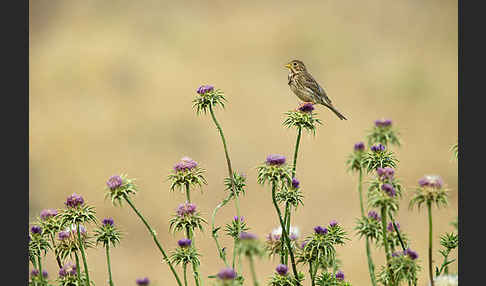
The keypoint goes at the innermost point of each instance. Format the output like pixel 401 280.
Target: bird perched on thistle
pixel 306 87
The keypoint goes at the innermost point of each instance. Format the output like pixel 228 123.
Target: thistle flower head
pixel 432 181
pixel 385 173
pixel 320 230
pixel 114 182
pixel 48 213
pixel 108 221
pixel 74 200
pixel 412 254
pixel 340 275
pixel 68 269
pixel 185 164
pixel 34 273
pixel 446 280
pixel 276 234
pixel 227 274
pixel 359 146
pixel 36 229
pixel 204 89
pixel 391 228
pixel 186 209
pixel 275 160
pixel 389 189
pixel 383 122
pixel 378 148
pixel 333 223
pixel 282 269
pixel 295 183
pixel 237 218
pixel 184 243
pixel 63 235
pixel 374 215
pixel 142 281
pixel 306 107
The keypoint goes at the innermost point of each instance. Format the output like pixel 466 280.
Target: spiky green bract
pixel 437 196
pixel 50 225
pixel 66 247
pixel 118 194
pixel 369 227
pixel 320 248
pixel 72 280
pixel 328 279
pixel 108 234
pixel 185 255
pixel 239 181
pixel 212 98
pixel 192 178
pixel 235 228
pixel 279 175
pixel 373 160
pixel 304 120
pixel 385 135
pixel 450 242
pixel 377 198
pixel 290 195
pixel 286 280
pixel 38 280
pixel 455 150
pixel 394 240
pixel 187 221
pixel 402 269
pixel 355 161
pixel 251 247
pixel 81 214
pixel 273 245
pixel 38 244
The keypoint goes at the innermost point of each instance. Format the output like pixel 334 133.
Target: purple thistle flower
pixel 275 160
pixel 44 274
pixel 185 242
pixel 389 189
pixel 186 209
pixel 391 228
pixel 293 236
pixel 236 218
pixel 433 181
pixel 395 254
pixel 412 254
pixel 378 148
pixel 108 221
pixel 34 273
pixel 374 215
pixel 227 274
pixel 143 281
pixel 359 146
pixel 383 122
pixel 307 107
pixel 48 213
pixel 63 235
pixel 386 172
pixel 320 230
pixel 303 244
pixel 74 200
pixel 68 269
pixel 35 229
pixel 185 164
pixel 282 269
pixel 333 223
pixel 295 183
pixel 340 275
pixel 247 236
pixel 114 182
pixel 204 89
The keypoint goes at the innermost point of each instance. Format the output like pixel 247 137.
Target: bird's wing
pixel 310 83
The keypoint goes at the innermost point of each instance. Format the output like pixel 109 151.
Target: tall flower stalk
pixel 108 234
pixel 119 189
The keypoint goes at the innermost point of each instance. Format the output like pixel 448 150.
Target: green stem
pixel 40 268
pixel 284 232
pixel 32 260
pixel 58 259
pixel 371 267
pixel 397 231
pixel 184 267
pixel 253 272
pixel 83 255
pixel 296 151
pixel 385 238
pixel 431 274
pixel 107 247
pixel 311 273
pixel 78 268
pixel 154 236
pixel 222 255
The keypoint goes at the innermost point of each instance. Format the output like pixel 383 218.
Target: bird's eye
pixel 295 64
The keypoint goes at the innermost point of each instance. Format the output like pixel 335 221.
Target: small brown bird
pixel 306 87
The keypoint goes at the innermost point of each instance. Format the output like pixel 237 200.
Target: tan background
pixel 111 87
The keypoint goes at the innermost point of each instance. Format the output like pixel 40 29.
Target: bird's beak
pixel 287 66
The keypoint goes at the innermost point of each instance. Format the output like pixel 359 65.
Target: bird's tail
pixel 338 114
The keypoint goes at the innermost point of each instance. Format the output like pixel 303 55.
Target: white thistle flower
pixel 446 280
pixel 293 235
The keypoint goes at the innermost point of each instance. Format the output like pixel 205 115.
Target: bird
pixel 306 87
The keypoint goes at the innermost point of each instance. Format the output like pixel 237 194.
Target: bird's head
pixel 295 66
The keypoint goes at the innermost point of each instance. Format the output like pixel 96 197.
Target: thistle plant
pixel 38 247
pixel 186 174
pixel 49 222
pixel 186 254
pixel 70 276
pixel 449 242
pixel 403 268
pixel 108 234
pixel 429 192
pixel 120 188
pixel 273 243
pixel 250 247
pixel 378 157
pixel 331 279
pixel 383 133
pixel 281 277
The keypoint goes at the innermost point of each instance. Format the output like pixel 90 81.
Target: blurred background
pixel 111 85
